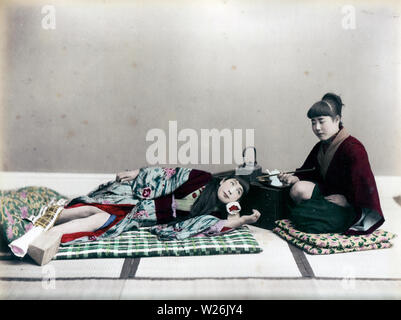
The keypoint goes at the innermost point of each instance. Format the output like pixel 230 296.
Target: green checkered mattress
pixel 16 206
pixel 142 243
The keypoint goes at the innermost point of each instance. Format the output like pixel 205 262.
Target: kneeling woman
pixel 340 195
pixel 175 202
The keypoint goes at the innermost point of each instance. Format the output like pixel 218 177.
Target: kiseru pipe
pixel 263 178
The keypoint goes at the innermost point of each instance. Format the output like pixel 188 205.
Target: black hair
pixel 330 105
pixel 208 200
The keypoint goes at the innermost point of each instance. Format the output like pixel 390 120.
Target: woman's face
pixel 324 127
pixel 229 190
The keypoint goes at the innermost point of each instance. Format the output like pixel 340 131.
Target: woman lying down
pixel 176 203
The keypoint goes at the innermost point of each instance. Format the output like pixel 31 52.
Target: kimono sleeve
pixel 188 228
pixel 362 192
pixel 154 182
pixel 310 162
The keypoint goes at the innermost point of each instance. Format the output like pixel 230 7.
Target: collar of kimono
pixel 326 144
pixel 324 158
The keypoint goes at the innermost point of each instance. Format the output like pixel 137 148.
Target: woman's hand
pixel 287 179
pixel 238 222
pixel 338 199
pixel 251 218
pixel 127 175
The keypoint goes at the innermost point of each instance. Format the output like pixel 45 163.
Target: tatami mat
pixel 276 260
pixel 46 289
pixel 207 289
pixel 280 271
pixel 378 264
pixel 266 289
pixel 62 269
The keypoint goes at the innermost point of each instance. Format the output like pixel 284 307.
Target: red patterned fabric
pixel 119 210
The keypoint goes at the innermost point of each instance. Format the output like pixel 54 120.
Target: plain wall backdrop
pixel 81 97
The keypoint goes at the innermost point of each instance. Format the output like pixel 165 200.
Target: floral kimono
pixel 154 199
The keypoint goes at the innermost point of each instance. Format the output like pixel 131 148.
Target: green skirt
pixel 318 215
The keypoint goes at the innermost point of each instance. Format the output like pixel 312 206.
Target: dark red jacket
pixel 348 174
